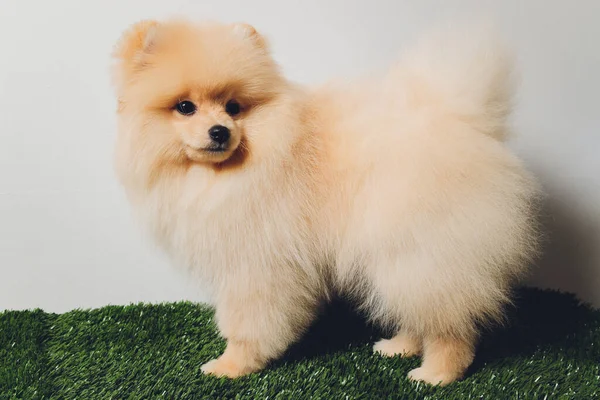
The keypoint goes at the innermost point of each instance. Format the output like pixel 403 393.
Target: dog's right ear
pixel 136 41
pixel 134 48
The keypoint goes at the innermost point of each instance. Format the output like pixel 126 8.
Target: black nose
pixel 219 134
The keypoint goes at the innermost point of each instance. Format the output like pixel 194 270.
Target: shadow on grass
pixel 539 319
pixel 339 327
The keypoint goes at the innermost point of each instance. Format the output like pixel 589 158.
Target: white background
pixel 66 237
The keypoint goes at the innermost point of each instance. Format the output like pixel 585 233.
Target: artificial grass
pixel 549 349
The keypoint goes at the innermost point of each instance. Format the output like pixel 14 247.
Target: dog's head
pixel 185 90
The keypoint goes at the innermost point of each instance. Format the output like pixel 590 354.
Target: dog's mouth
pixel 213 153
pixel 227 155
pixel 220 148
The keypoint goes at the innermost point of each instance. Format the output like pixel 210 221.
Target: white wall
pixel 66 238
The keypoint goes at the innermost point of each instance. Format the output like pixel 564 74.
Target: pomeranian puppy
pixel 396 191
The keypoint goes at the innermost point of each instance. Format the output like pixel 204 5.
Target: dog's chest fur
pixel 233 225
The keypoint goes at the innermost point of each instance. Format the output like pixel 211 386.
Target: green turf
pixel 550 349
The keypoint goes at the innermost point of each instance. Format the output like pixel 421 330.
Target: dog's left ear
pixel 247 32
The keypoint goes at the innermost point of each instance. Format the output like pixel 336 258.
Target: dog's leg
pixel 444 360
pixel 403 344
pixel 259 326
pixel 435 313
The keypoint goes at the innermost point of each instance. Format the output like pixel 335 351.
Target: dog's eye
pixel 232 108
pixel 185 107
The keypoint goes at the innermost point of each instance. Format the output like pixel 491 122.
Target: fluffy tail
pixel 466 72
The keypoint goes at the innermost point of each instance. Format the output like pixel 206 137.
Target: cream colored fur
pixel 397 191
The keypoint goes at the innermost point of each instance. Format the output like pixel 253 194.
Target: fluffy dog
pixel 396 191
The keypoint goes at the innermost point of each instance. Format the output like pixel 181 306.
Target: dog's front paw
pixel 397 346
pixel 223 367
pixel 440 378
